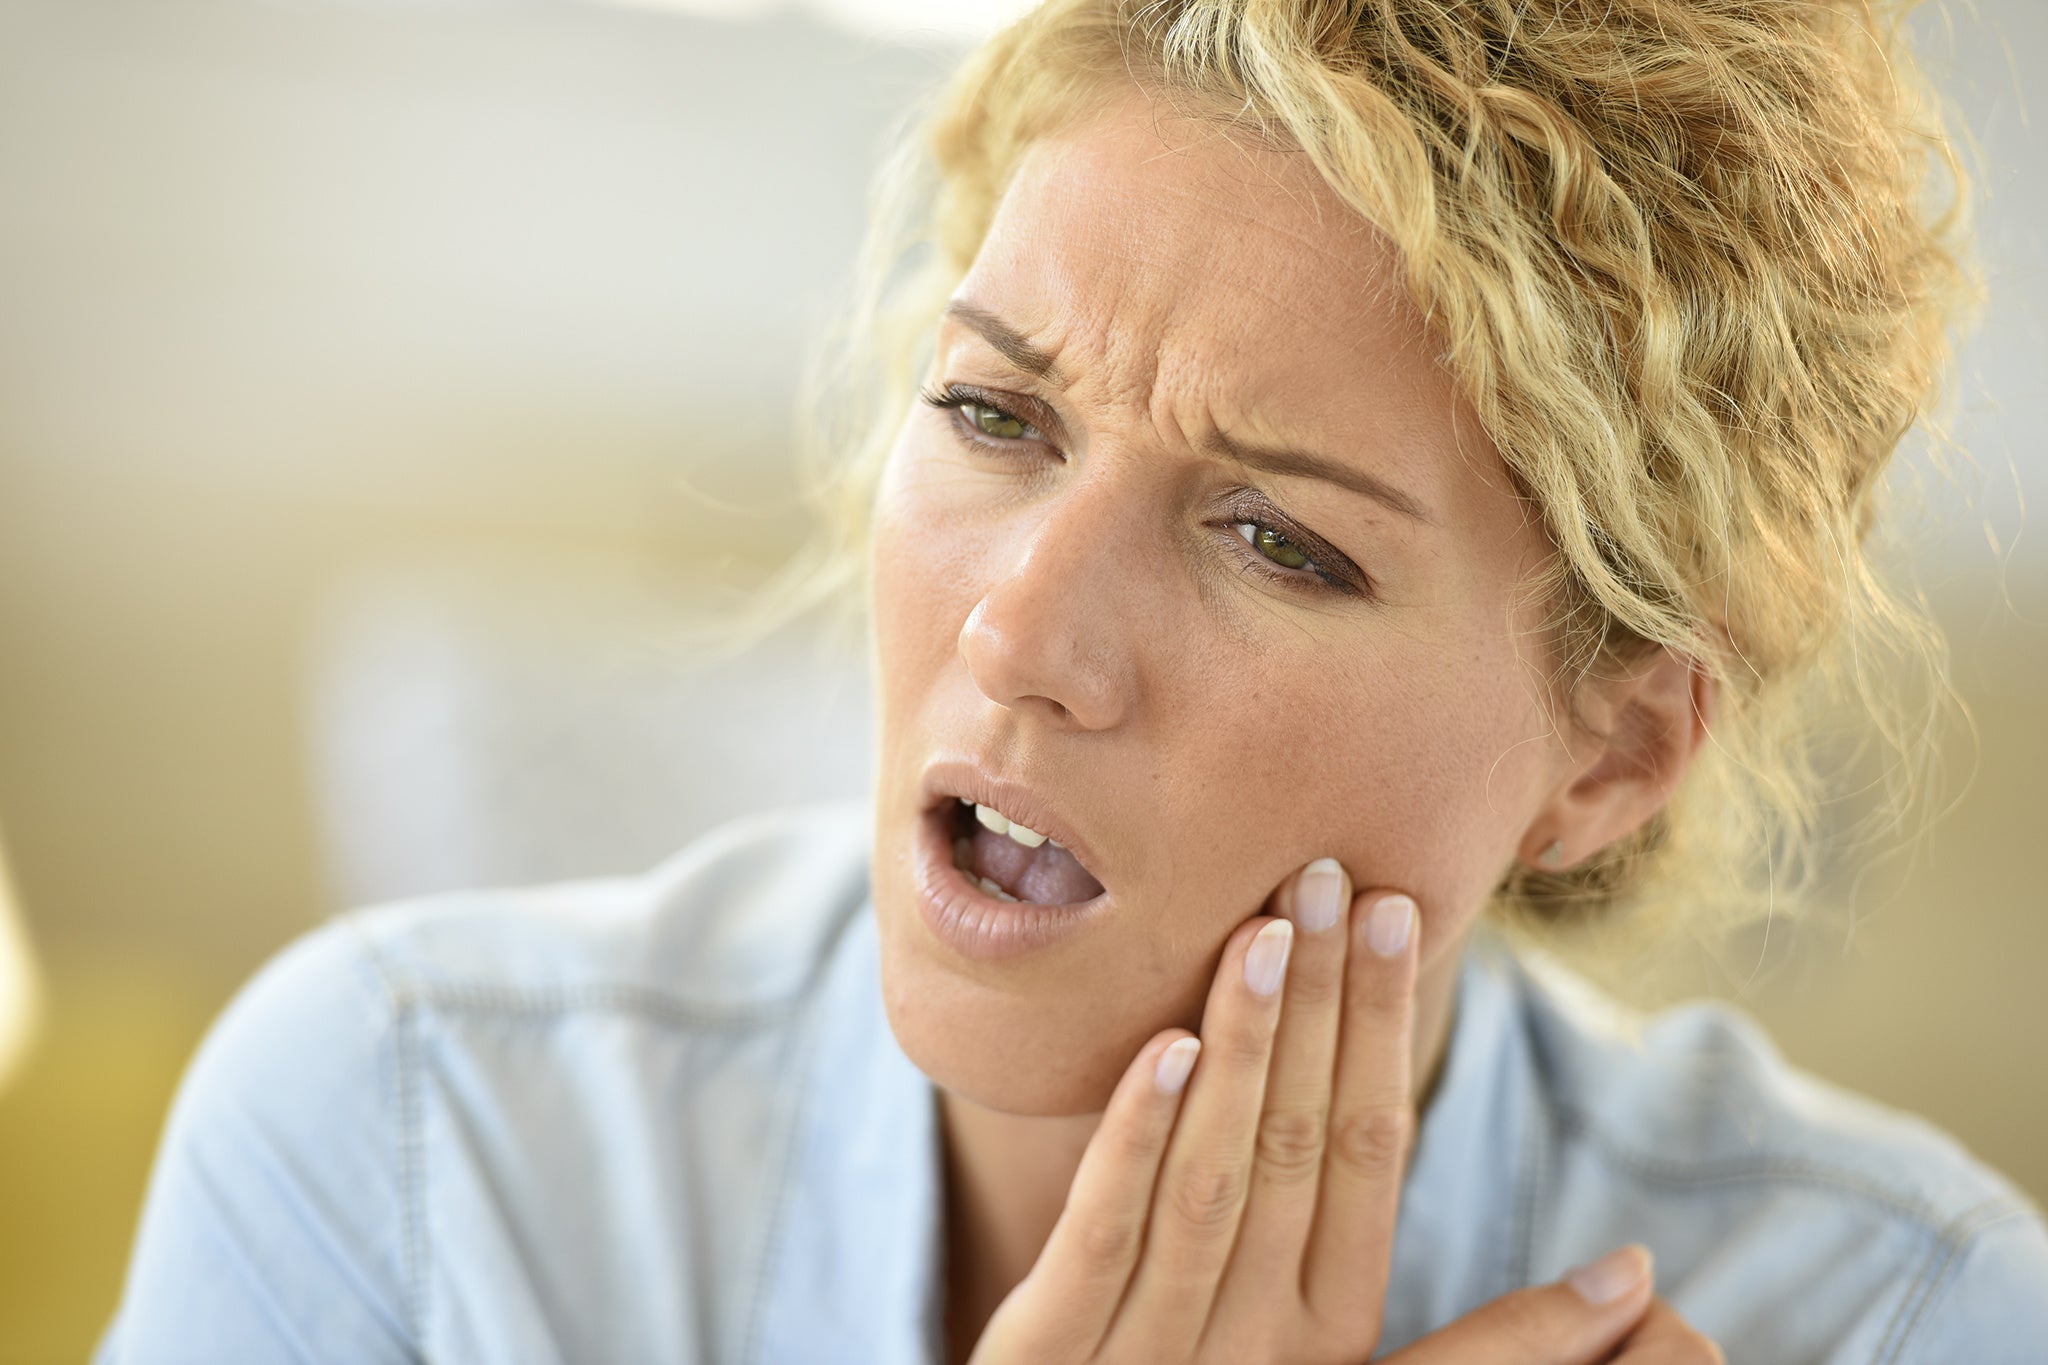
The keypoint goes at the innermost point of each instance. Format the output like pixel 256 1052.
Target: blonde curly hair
pixel 1684 257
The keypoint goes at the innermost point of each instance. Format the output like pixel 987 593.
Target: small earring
pixel 1553 856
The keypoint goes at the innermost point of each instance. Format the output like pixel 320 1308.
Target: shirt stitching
pixel 1937 1269
pixel 624 999
pixel 412 1172
pixel 1522 1254
pixel 777 1216
pixel 612 995
pixel 793 1136
pixel 408 999
pixel 1738 1170
pixel 411 1134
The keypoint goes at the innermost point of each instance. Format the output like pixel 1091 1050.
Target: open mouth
pixel 1013 864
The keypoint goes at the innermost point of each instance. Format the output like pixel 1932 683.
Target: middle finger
pixel 1288 1158
pixel 1202 1182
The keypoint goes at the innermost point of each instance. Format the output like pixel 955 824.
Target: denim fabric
pixel 663 1118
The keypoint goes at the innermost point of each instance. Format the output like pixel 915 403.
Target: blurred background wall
pixel 356 365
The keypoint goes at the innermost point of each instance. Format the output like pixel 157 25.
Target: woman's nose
pixel 1057 628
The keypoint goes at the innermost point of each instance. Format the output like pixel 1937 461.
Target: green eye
pixel 995 422
pixel 1273 545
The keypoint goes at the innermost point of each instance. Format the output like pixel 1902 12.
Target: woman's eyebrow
pixel 1008 342
pixel 1302 464
pixel 1011 344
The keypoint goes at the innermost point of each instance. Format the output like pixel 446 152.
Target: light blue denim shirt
pixel 663 1118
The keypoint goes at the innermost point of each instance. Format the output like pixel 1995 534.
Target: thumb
pixel 1575 1321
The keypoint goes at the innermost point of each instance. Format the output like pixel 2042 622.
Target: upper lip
pixel 1020 802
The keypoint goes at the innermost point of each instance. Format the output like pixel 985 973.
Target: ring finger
pixel 1372 1114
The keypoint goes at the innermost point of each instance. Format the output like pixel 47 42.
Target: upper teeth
pixel 991 818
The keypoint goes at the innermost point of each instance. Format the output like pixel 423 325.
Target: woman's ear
pixel 1636 738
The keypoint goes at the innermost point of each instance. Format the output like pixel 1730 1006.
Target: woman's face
pixel 1077 588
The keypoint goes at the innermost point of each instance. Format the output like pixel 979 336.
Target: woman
pixel 1387 472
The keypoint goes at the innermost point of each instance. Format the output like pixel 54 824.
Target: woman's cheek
pixel 930 538
pixel 916 564
pixel 1428 787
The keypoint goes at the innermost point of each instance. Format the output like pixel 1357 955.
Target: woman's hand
pixel 1237 1202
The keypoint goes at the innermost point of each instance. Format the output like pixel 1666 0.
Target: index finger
pixel 1372 1113
pixel 1079 1279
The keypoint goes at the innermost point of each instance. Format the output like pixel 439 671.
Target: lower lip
pixel 974 923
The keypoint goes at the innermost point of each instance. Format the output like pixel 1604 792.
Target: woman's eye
pixel 1273 545
pixel 995 422
pixel 979 424
pixel 986 419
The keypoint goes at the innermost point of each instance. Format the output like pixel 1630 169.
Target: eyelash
pixel 955 399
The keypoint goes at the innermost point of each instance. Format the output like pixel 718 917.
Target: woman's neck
pixel 1006 1177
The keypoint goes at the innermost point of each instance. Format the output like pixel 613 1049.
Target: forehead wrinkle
pixel 1209 370
pixel 1365 270
pixel 1119 316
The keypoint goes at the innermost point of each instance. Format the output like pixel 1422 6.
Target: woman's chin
pixel 1014 1054
pixel 1040 1034
pixel 1049 1086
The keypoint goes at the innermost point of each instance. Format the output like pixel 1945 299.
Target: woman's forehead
pixel 1174 271
pixel 1137 242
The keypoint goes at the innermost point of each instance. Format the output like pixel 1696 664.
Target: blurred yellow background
pixel 354 361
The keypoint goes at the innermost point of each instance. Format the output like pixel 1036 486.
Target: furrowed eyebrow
pixel 1301 464
pixel 1011 344
pixel 1008 342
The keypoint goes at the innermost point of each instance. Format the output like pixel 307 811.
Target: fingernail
pixel 1319 895
pixel 1388 926
pixel 1266 960
pixel 1175 1063
pixel 1612 1276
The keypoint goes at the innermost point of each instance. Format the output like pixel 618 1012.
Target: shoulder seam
pixel 1937 1269
pixel 618 996
pixel 404 992
pixel 1522 1246
pixel 1741 1170
pixel 809 1013
pixel 412 1155
pixel 411 1135
pixel 405 988
pixel 406 999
